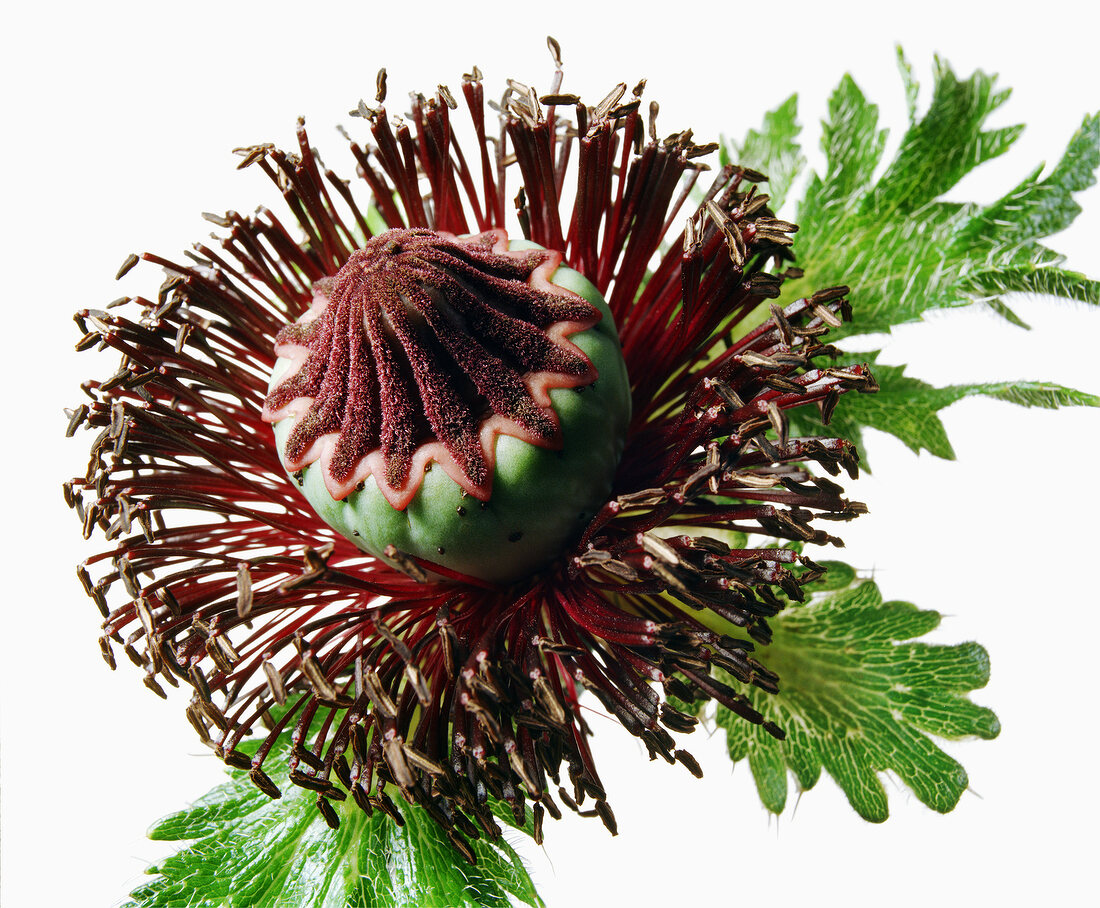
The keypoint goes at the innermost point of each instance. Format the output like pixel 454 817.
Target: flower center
pixel 430 349
pixel 425 347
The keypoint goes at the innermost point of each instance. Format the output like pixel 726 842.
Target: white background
pixel 119 119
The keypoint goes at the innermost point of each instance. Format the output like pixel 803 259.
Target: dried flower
pixel 453 679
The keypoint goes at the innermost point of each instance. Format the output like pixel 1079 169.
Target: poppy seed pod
pixel 498 365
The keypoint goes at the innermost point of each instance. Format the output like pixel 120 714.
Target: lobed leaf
pixel 774 147
pixel 860 695
pixel 245 849
pixel 908 408
pixel 903 250
pixel 1039 207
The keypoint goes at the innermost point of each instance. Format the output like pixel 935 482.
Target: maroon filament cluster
pixel 422 340
pixel 444 693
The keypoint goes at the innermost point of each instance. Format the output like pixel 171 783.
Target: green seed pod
pixel 463 400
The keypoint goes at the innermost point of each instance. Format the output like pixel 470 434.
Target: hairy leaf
pixel 908 408
pixel 883 229
pixel 860 695
pixel 897 244
pixel 246 849
pixel 774 146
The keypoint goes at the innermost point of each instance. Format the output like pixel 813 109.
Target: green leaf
pixel 989 284
pixel 898 245
pixel 774 149
pixel 839 576
pixel 903 250
pixel 1023 393
pixel 1039 208
pixel 245 849
pixel 908 408
pixel 912 86
pixel 940 148
pixel 853 146
pixel 860 695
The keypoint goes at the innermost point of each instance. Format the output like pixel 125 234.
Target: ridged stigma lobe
pixel 424 347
